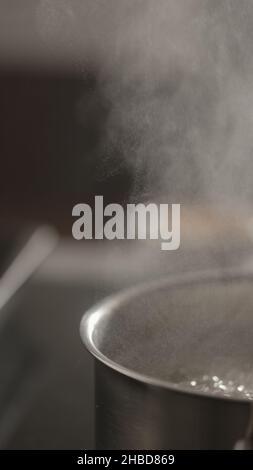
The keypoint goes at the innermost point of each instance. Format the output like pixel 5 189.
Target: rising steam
pixel 178 75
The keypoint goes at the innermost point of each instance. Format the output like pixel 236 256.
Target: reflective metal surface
pixel 151 341
pixel 134 415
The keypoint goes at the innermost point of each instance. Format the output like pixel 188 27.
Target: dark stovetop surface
pixel 46 388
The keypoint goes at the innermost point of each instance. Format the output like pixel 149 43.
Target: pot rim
pixel 92 316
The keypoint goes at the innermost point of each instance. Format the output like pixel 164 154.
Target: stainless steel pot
pixel 174 363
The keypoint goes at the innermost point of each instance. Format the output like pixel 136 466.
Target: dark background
pixel 52 131
pixel 52 121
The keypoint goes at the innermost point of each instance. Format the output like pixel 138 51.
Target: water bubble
pixel 215 378
pixel 223 387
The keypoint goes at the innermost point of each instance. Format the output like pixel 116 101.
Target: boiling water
pixel 226 385
pixel 199 338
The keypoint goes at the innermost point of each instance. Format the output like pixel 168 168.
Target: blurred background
pixel 141 100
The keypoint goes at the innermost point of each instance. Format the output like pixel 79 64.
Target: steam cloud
pixel 178 75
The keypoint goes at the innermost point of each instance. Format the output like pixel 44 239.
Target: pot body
pixel 134 415
pixel 150 341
